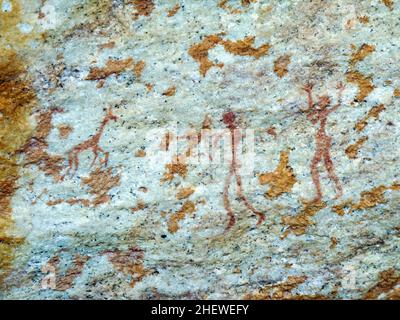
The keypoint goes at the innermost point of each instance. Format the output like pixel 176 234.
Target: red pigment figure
pixel 229 119
pixel 90 144
pixel 318 113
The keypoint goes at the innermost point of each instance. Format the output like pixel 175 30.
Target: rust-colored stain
pixel 298 224
pixel 359 55
pixel 352 150
pixel 173 223
pixel 281 180
pixel 175 168
pixel 388 3
pixel 111 67
pixel 372 113
pixel 387 282
pixel 66 281
pixel 364 83
pixel 368 199
pixel 17 98
pixel 64 130
pixel 174 10
pixel 35 149
pixel 170 91
pixel 143 8
pixel 318 113
pixel 184 193
pixel 91 144
pixel 129 262
pixel 245 47
pixel 279 291
pixel 281 65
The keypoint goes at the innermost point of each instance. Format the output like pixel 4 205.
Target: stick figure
pixel 229 118
pixel 318 113
pixel 90 144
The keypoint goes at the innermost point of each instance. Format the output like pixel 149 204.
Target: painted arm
pixel 340 87
pixel 309 111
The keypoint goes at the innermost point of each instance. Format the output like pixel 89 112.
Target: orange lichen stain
pixel 100 182
pixel 363 19
pixel 187 208
pixel 372 113
pixel 170 91
pixel 359 55
pixel 66 281
pixel 396 93
pixel 298 224
pixel 387 282
pixel 143 8
pixel 368 199
pixel 281 66
pixel 389 4
pixel 199 52
pixel 17 99
pixel 281 180
pixel 334 242
pixel 115 67
pixel 352 150
pixel 140 205
pixel 129 262
pixel 175 168
pixel 140 153
pixel 108 45
pixel 64 130
pixel 279 291
pixel 138 68
pixel 364 83
pixel 223 4
pixel 245 47
pixel 184 193
pixel 149 86
pixel 173 11
pixel 35 149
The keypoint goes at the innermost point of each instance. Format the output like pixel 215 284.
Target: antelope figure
pixel 90 144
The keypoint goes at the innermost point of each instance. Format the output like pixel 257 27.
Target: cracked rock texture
pixel 104 109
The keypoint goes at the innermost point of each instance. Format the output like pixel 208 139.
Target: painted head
pixel 110 115
pixel 229 118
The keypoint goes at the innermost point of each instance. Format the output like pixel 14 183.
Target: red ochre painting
pixel 145 145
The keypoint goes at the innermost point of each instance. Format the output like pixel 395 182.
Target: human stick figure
pixel 229 118
pixel 318 113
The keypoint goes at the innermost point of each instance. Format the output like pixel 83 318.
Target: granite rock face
pixel 199 149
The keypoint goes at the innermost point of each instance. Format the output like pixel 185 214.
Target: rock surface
pixel 113 185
